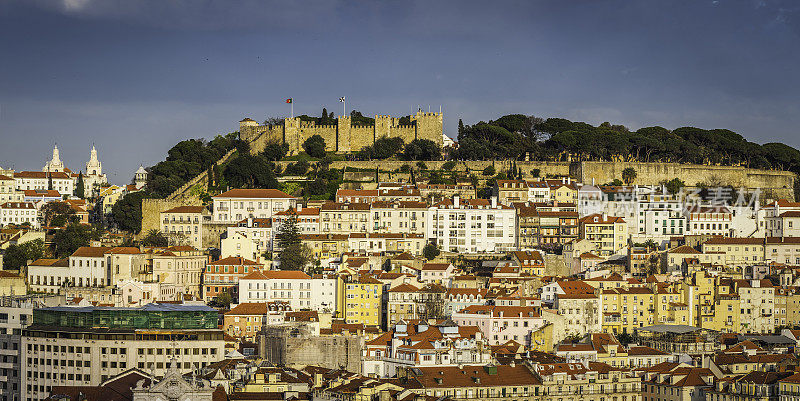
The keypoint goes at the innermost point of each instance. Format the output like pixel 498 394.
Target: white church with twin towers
pixel 93 177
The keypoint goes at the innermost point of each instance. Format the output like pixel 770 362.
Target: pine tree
pixel 292 255
pixel 460 127
pixel 79 190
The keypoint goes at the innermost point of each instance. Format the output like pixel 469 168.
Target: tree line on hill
pixel 515 135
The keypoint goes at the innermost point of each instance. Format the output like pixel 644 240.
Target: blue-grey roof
pixel 153 307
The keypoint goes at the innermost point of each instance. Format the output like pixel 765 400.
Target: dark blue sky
pixel 137 77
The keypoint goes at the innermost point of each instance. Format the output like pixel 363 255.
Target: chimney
pixel 605 216
pixel 494 202
pixel 250 221
pixel 456 201
pixel 299 207
pixel 563 180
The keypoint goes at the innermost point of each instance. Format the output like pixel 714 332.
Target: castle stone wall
pixel 781 183
pixel 259 139
pixel 342 137
pixel 360 136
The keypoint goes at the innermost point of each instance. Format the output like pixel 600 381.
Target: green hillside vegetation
pixel 514 135
pixel 188 159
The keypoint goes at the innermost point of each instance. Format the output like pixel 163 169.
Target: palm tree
pixel 628 175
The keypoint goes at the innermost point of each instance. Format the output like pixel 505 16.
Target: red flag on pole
pixel 289 100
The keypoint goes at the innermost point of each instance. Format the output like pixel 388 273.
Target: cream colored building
pixel 180 266
pixel 608 233
pixel 12 284
pixel 238 204
pixel 677 382
pixel 183 225
pixel 734 252
pixel 708 220
pixel 756 305
pixel 250 239
pixel 344 218
pixel 19 213
pixel 8 191
pixel 386 243
pixel 398 217
pixel 782 250
pixel 32 180
pixel 472 226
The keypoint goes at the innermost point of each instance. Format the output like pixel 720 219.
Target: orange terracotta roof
pixel 185 209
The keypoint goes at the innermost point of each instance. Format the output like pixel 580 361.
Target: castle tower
pixel 54 165
pixel 291 134
pixel 247 129
pixel 93 166
pixel 429 126
pixel 140 177
pixel 383 125
pixel 343 127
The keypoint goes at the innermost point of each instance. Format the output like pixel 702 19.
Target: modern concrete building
pixel 85 346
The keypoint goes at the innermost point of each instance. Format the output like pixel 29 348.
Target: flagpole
pixel 292 107
pixel 344 107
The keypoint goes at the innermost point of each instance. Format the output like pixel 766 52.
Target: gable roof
pixel 185 209
pixel 235 261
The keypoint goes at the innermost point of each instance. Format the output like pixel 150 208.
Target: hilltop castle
pixel 344 136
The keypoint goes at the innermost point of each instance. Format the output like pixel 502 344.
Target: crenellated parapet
pixel 344 137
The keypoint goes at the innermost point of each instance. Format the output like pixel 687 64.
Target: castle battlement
pixel 343 137
pixel 428 114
